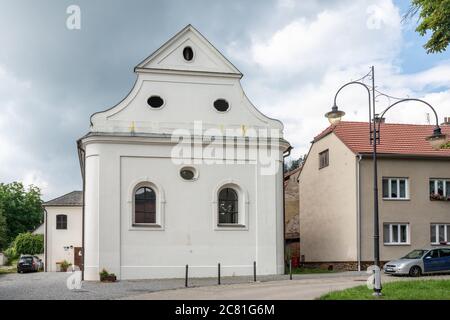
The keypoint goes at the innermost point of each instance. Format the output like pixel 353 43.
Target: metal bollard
pixel 186 278
pixel 218 273
pixel 254 271
pixel 290 269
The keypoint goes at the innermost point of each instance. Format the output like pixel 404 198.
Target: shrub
pixel 27 243
pixel 65 265
pixel 105 276
pixel 11 253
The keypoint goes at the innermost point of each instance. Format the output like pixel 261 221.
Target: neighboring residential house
pixel 336 194
pixel 291 205
pixel 63 231
pixel 151 206
pixel 40 229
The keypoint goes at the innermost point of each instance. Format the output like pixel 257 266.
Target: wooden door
pixel 78 257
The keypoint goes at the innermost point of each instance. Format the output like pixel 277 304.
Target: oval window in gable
pixel 155 102
pixel 188 54
pixel 221 105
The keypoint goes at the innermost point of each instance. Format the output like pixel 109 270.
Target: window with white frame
pixel 440 187
pixel 396 233
pixel 439 233
pixel 230 206
pixel 395 188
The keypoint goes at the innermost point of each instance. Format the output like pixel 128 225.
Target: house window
pixel 396 233
pixel 440 189
pixel 439 233
pixel 228 206
pixel 395 188
pixel 324 159
pixel 144 206
pixel 61 221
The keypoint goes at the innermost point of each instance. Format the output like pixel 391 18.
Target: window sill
pixel 396 244
pixel 396 199
pixel 231 226
pixel 146 227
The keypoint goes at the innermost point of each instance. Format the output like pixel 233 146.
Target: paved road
pixel 300 289
pixel 306 289
pixel 53 286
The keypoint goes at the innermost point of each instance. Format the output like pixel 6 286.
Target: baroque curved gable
pixel 188 88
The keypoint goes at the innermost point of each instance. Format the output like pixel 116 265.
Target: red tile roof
pixel 400 139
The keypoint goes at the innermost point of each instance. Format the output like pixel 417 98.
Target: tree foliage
pixel 434 17
pixel 22 209
pixel 3 235
pixel 28 243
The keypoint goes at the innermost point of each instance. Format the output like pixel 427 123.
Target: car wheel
pixel 415 271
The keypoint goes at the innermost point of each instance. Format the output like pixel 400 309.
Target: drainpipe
pixel 82 159
pixel 45 239
pixel 286 154
pixel 358 210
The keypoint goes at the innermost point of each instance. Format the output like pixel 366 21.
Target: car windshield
pixel 26 259
pixel 415 254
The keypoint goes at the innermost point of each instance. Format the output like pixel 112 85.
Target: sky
pixel 294 56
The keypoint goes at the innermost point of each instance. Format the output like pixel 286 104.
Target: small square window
pixel 61 221
pixel 396 233
pixel 395 188
pixel 439 233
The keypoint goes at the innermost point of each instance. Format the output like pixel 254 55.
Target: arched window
pixel 228 206
pixel 61 221
pixel 144 206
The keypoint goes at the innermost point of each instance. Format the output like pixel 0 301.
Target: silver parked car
pixel 418 262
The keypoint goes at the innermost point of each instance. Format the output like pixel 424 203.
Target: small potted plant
pixel 105 276
pixel 65 265
pixel 438 197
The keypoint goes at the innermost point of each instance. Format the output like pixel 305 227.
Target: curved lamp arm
pixel 437 138
pixel 368 92
pixel 413 99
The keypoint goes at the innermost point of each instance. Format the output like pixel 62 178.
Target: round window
pixel 188 53
pixel 155 102
pixel 188 173
pixel 221 105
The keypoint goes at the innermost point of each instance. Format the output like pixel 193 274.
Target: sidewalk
pixel 304 287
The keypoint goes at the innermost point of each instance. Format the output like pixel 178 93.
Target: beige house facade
pixel 63 231
pixel 336 195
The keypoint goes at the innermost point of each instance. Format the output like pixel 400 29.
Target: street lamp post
pixel 335 116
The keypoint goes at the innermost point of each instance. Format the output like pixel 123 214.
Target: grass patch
pixel 6 270
pixel 302 270
pixel 399 290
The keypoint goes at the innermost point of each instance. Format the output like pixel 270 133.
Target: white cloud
pixel 338 38
pixel 308 59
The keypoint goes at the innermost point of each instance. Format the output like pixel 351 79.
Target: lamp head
pixel 335 115
pixel 437 139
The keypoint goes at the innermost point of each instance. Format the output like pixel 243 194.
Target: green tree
pixel 434 17
pixel 3 235
pixel 28 243
pixel 22 208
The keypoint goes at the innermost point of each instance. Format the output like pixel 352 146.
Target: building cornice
pixel 368 155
